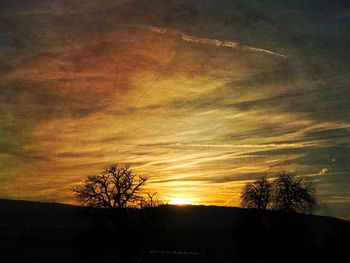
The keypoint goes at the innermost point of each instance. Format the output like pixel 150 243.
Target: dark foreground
pixel 42 232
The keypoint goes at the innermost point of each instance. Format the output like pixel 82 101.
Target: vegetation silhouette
pixel 150 200
pixel 117 196
pixel 257 194
pixel 114 190
pixel 288 193
pixel 121 222
pixel 262 232
pixel 293 193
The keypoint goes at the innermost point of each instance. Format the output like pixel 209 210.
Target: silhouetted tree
pixel 150 200
pixel 293 194
pixel 257 194
pixel 115 189
pixel 153 215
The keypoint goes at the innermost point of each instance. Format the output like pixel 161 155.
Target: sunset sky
pixel 202 96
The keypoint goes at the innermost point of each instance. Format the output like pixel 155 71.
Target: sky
pixel 200 96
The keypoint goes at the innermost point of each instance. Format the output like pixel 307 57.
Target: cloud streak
pixel 213 42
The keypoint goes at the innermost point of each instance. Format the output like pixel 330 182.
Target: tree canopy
pixel 287 192
pixel 292 193
pixel 117 187
pixel 257 194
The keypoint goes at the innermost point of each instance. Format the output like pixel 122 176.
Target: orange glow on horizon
pixel 180 201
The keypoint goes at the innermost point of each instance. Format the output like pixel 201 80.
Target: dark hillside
pixel 44 232
pixel 17 213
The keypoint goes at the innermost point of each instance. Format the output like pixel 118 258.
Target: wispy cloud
pixel 228 44
pixel 233 146
pixel 323 171
pixel 213 42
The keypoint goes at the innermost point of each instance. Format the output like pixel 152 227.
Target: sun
pixel 180 201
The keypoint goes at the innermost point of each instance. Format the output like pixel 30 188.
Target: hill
pixel 49 232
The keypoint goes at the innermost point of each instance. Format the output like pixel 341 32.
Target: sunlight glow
pixel 180 201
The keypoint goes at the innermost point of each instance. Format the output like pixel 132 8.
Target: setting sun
pixel 180 201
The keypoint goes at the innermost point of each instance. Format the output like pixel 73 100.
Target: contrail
pixel 230 44
pixel 213 42
pixel 271 145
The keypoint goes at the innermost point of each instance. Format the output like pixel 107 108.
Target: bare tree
pixel 257 194
pixel 150 200
pixel 293 194
pixel 115 189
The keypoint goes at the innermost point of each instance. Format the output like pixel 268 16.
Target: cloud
pixel 342 198
pixel 323 171
pixel 260 146
pixel 212 42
